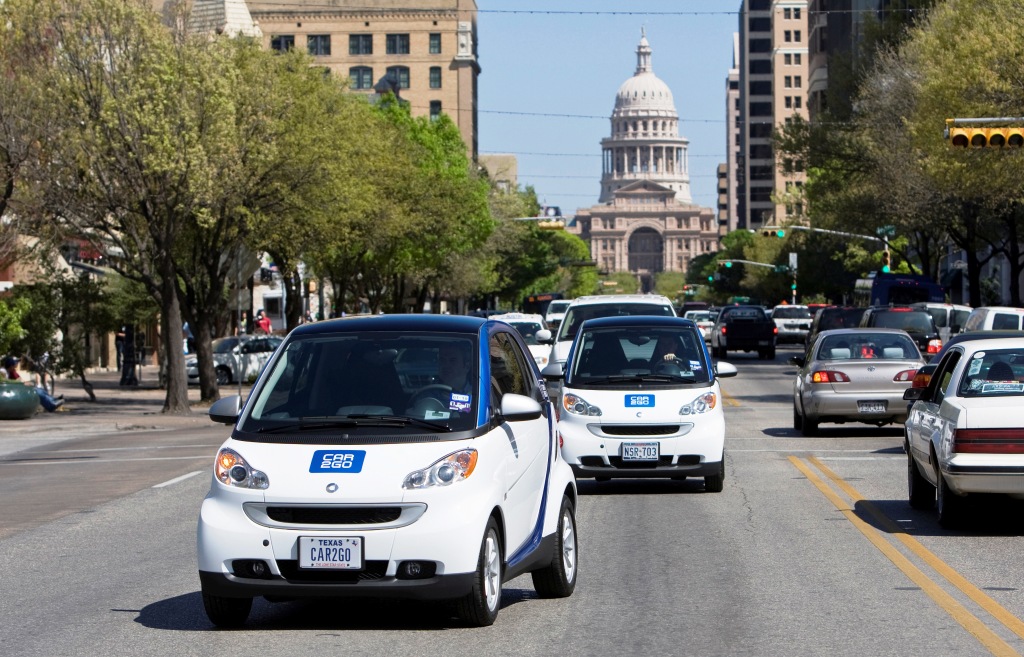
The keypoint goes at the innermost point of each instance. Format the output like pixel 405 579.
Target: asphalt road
pixel 811 549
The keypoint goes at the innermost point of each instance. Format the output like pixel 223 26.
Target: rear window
pixel 576 315
pixel 996 372
pixel 867 346
pixel 743 313
pixel 791 313
pixel 834 318
pixel 912 322
pixel 1005 321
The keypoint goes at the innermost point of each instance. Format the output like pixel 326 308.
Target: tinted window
pixel 867 345
pixel 624 356
pixel 914 322
pixel 578 314
pixel 1005 321
pixel 528 330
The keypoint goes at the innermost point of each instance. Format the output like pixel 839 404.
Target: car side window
pixel 508 373
pixel 943 375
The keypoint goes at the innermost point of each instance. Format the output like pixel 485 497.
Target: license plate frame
pixel 640 451
pixel 331 545
pixel 872 406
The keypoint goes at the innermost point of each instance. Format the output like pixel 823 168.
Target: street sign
pixel 792 261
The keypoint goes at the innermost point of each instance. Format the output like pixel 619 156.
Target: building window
pixel 435 43
pixel 319 44
pixel 797 82
pixel 435 109
pixel 761 88
pixel 796 13
pixel 787 36
pixel 756 24
pixel 399 76
pixel 282 42
pixel 796 58
pixel 398 44
pixel 760 45
pixel 788 82
pixel 360 44
pixel 789 102
pixel 786 13
pixel 760 109
pixel 435 77
pixel 798 102
pixel 362 77
pixel 760 66
pixel 796 36
pixel 787 59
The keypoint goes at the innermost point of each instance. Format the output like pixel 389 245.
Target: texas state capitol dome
pixel 645 221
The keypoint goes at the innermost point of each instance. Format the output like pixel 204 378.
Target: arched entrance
pixel 646 256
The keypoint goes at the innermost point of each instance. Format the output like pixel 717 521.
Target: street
pixel 811 549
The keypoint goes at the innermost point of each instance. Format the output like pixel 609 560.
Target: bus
pixel 896 290
pixel 537 304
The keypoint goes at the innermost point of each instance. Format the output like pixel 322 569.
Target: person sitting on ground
pixel 10 372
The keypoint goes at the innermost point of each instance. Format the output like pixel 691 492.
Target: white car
pixel 531 327
pixel 237 358
pixel 555 312
pixel 640 398
pixel 350 473
pixel 704 321
pixel 965 433
pixel 793 323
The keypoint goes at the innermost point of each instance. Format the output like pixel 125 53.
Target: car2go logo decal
pixel 331 460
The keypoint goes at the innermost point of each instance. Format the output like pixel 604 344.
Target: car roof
pixel 977 335
pixel 790 305
pixel 638 320
pixel 1001 309
pixel 990 343
pixel 396 322
pixel 620 298
pixel 517 317
pixel 935 304
pixel 861 331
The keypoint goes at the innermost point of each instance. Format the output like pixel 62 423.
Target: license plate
pixel 640 451
pixel 331 552
pixel 871 406
pixel 639 401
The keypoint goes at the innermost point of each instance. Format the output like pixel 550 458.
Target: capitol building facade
pixel 645 221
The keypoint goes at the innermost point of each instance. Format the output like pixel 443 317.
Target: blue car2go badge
pixel 639 401
pixel 334 460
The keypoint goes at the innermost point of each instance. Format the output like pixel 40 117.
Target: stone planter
pixel 17 401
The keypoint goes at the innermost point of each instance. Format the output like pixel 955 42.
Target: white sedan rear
pixel 964 434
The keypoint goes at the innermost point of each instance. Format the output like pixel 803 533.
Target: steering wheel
pixel 426 392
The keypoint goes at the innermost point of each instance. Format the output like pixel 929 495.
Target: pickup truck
pixel 744 328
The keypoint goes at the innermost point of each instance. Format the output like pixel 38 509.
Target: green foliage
pixel 12 314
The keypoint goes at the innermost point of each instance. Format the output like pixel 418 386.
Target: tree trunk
pixel 208 390
pixel 176 401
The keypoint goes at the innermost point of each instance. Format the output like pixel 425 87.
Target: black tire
pixel 810 427
pixel 480 606
pixel 770 354
pixel 722 352
pixel 920 491
pixel 558 579
pixel 798 420
pixel 223 376
pixel 716 483
pixel 226 612
pixel 762 354
pixel 949 505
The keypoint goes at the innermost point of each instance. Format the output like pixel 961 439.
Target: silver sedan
pixel 854 375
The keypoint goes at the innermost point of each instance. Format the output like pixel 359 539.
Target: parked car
pixel 793 322
pixel 339 481
pixel 530 327
pixel 743 328
pixel 997 318
pixel 704 321
pixel 964 435
pixel 604 305
pixel 854 375
pixel 640 398
pixel 917 323
pixel 949 317
pixel 555 312
pixel 237 358
pixel 834 317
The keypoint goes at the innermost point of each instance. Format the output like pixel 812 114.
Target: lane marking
pixel 992 642
pixel 183 477
pixel 91 461
pixel 729 399
pixel 1003 615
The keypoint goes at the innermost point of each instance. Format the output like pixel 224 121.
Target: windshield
pixel 791 313
pixel 576 315
pixel 556 307
pixel 638 354
pixel 224 345
pixel 332 378
pixel 528 330
pixel 994 372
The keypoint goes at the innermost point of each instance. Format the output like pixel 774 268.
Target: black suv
pixel 834 317
pixel 919 324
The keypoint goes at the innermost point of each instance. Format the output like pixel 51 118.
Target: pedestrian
pixel 263 322
pixel 119 345
pixel 10 372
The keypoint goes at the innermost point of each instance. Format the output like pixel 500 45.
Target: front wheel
pixel 223 376
pixel 716 483
pixel 226 612
pixel 558 579
pixel 480 606
pixel 920 491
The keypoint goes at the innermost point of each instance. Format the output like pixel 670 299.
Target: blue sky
pixel 573 64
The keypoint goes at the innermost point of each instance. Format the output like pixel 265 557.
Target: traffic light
pixel 886 262
pixel 711 279
pixel 1008 137
pixel 773 232
pixel 725 263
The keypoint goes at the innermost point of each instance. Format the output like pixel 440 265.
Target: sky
pixel 567 58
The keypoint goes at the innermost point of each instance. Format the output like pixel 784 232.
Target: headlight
pixel 541 360
pixel 578 406
pixel 701 404
pixel 443 472
pixel 232 470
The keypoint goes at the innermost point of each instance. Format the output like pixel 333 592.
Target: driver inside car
pixel 453 368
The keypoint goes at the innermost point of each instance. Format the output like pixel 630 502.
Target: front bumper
pixel 439 587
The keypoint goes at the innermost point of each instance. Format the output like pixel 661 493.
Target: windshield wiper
pixel 355 420
pixel 640 378
pixel 402 420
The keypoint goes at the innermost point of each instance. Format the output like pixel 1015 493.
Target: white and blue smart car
pixel 408 456
pixel 641 398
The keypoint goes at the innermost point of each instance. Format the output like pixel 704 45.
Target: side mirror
pixel 543 336
pixel 553 372
pixel 796 360
pixel 724 370
pixel 914 394
pixel 226 410
pixel 516 408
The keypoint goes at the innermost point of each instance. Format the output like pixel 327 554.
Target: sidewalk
pixel 117 408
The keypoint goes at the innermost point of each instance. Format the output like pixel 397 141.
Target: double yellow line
pixel 992 642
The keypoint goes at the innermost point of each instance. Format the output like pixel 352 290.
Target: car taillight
pixel 723 330
pixel 988 441
pixel 921 380
pixel 905 375
pixel 775 330
pixel 829 376
pixel 934 346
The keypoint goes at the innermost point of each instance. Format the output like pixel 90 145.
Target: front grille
pixel 617 462
pixel 315 515
pixel 290 570
pixel 640 429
